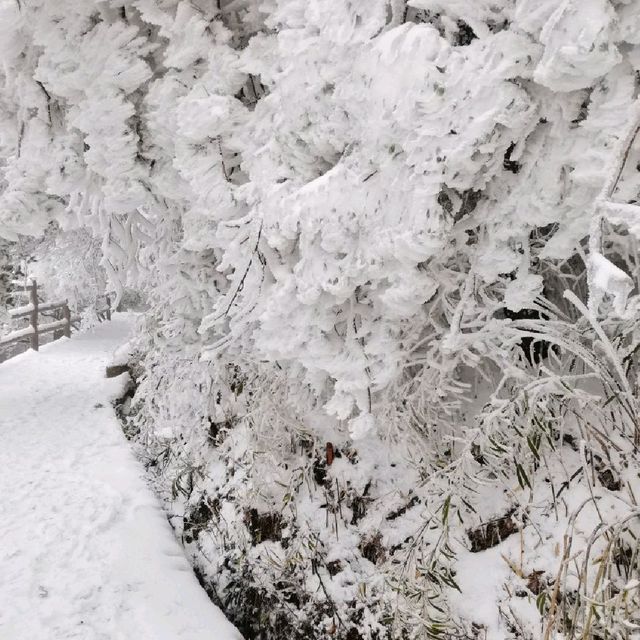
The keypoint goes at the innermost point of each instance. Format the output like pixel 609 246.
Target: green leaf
pixel 445 510
pixel 523 479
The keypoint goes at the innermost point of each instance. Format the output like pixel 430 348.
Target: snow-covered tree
pixel 390 253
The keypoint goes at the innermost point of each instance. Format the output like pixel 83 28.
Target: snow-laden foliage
pixel 6 276
pixel 391 255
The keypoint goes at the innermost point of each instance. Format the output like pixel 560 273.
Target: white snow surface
pixel 85 550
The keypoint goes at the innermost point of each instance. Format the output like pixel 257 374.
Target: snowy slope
pixel 85 550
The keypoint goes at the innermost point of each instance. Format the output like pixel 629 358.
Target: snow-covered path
pixel 85 550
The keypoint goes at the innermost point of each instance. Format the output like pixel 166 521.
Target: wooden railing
pixel 60 326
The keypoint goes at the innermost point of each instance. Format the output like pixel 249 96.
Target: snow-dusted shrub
pixel 364 395
pixel 7 268
pixel 67 266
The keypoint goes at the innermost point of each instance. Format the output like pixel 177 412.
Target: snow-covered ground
pixel 85 550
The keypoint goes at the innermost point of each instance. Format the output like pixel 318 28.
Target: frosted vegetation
pixel 386 379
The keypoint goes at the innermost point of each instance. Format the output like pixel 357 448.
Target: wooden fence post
pixel 33 299
pixel 67 317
